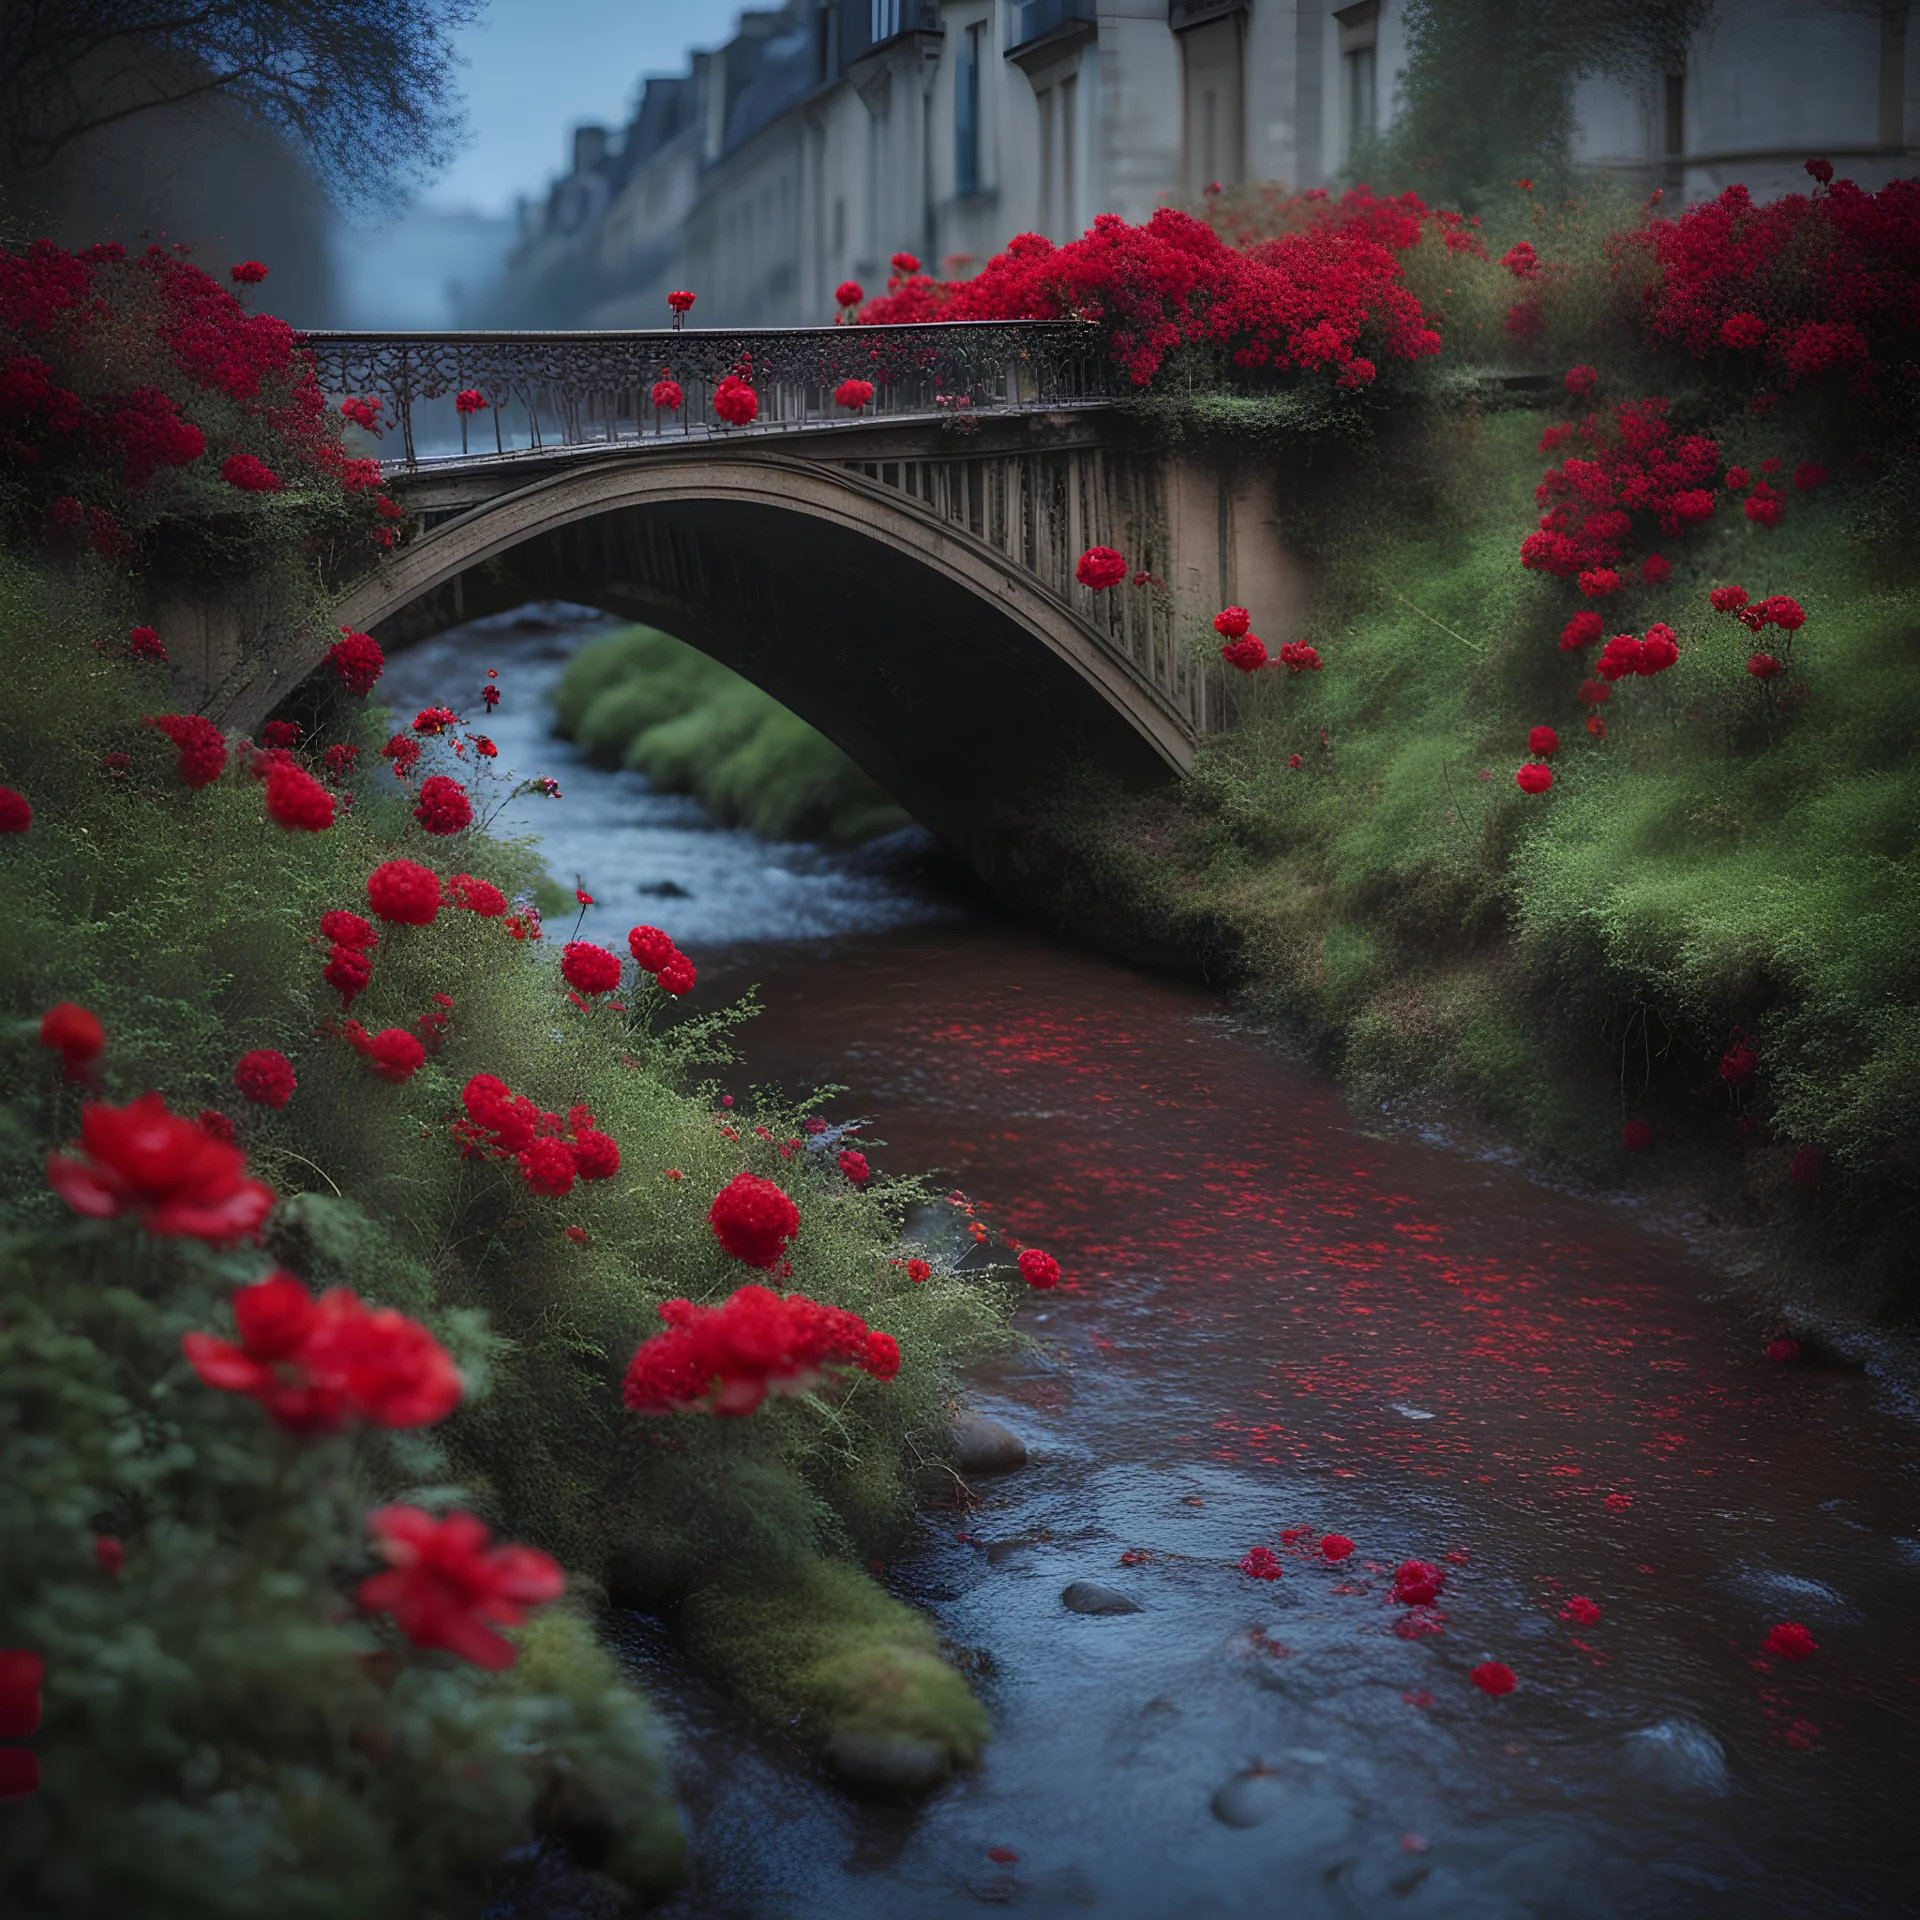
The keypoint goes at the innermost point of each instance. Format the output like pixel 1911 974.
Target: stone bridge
pixel 900 573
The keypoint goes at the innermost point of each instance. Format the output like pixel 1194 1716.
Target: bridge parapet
pixel 550 391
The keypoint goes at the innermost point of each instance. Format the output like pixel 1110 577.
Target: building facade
pixel 830 134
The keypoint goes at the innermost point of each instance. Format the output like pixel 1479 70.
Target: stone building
pixel 830 134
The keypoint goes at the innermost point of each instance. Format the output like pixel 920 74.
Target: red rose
pixel 142 1159
pixel 447 1587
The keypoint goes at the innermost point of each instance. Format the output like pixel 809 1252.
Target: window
pixel 886 19
pixel 1069 99
pixel 1675 116
pixel 1044 99
pixel 1214 83
pixel 966 114
pixel 1359 71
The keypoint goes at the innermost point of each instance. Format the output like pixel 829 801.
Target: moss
pixel 640 699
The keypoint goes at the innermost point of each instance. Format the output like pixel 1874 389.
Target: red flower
pixel 919 1271
pixel 1298 657
pixel 1737 1065
pixel 1737 479
pixel 264 1077
pixel 668 397
pixel 1804 1168
pixel 547 1166
pixel 1659 650
pixel 735 402
pixel 588 968
pixel 447 1587
pixel 1533 778
pixel 1231 623
pixel 395 1054
pixel 346 929
pixel 1543 741
pixel 1261 1563
pixel 314 1363
pixel 1619 657
pixel 677 976
pixel 1580 1610
pixel 404 893
pixel 1808 476
pixel 1790 1641
pixel 347 971
pixel 109 1554
pixel 1783 1350
pixel 905 263
pixel 21 1673
pixel 1335 1548
pixel 1822 171
pixel 202 747
pixel 650 948
pixel 1249 653
pixel 444 807
pixel 144 644
pixel 280 733
pixel 853 394
pixel 477 896
pixel 1295 762
pixel 242 470
pixel 1521 261
pixel 853 1164
pixel 596 1155
pixel 1524 319
pixel 1041 1271
pixel 469 400
pixel 1763 666
pixel 1743 331
pixel 1491 1676
pixel 1597 582
pixel 849 293
pixel 1637 1135
pixel 142 1159
pixel 680 302
pixel 1765 507
pixel 1101 567
pixel 296 800
pixel 215 1125
pixel 1783 612
pixel 1581 631
pixel 249 273
pixel 578 1235
pixel 76 1035
pixel 434 721
pixel 1581 381
pixel 1728 599
pixel 16 816
pixel 727 1359
pixel 356 660
pixel 753 1220
pixel 1655 571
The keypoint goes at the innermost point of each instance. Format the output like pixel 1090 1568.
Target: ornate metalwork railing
pixel 552 390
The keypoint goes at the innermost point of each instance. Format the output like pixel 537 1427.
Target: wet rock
pixel 888 1762
pixel 1678 1756
pixel 1089 1596
pixel 981 1445
pixel 1250 1799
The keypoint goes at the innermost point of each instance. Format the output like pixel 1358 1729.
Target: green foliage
pixel 641 699
pixel 224 1734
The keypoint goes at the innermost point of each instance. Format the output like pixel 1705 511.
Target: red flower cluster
pixel 1739 1064
pixel 853 394
pixel 1581 631
pixel 404 753
pixel 469 400
pixel 1261 1563
pixel 403 893
pixel 1790 1641
pixel 1248 653
pixel 1101 567
pixel 848 293
pixel 1637 1135
pixel 1803 285
pixel 21 1674
pixel 1580 1610
pixel 393 1053
pixel 363 411
pixel 202 746
pixel 655 953
pixel 728 1359
pixel 297 801
pixel 314 1364
pixel 356 660
pixel 1494 1677
pixel 264 1077
pixel 668 397
pixel 1581 381
pixel 250 474
pixel 1335 1548
pixel 1297 657
pixel 76 1035
pixel 589 969
pixel 445 1583
pixel 1041 1271
pixel 1542 742
pixel 735 402
pixel 1533 777
pixel 16 814
pixel 753 1220
pixel 501 1125
pixel 1521 261
pixel 1232 623
pixel 1625 654
pixel 1309 299
pixel 444 807
pixel 680 302
pixel 249 273
pixel 143 1160
pixel 1633 463
pixel 1417 1583
pixel 853 1163
pixel 477 896
pixel 919 1271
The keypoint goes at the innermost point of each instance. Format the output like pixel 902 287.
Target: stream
pixel 1283 1319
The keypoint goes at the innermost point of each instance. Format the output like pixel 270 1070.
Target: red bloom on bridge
pixel 669 399
pixel 681 301
pixel 854 394
pixel 447 1587
pixel 356 660
pixel 249 273
pixel 1101 567
pixel 849 293
pixel 202 746
pixel 1248 653
pixel 141 1159
pixel 470 400
pixel 735 402
pixel 144 644
pixel 1231 623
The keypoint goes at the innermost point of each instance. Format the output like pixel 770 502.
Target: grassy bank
pixel 641 699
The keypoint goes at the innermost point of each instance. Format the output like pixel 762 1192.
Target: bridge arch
pixel 954 677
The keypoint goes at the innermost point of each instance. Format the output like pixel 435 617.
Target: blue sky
pixel 538 67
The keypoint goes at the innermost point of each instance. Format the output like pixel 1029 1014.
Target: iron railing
pixel 574 390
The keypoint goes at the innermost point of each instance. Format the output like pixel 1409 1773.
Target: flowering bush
pixel 264 1077
pixel 1308 300
pixel 202 747
pixel 447 1587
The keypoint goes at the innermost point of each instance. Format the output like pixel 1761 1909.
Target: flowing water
pixel 1281 1320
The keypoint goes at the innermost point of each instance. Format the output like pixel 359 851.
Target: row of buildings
pixel 829 134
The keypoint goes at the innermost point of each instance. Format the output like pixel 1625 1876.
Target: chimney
pixel 589 148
